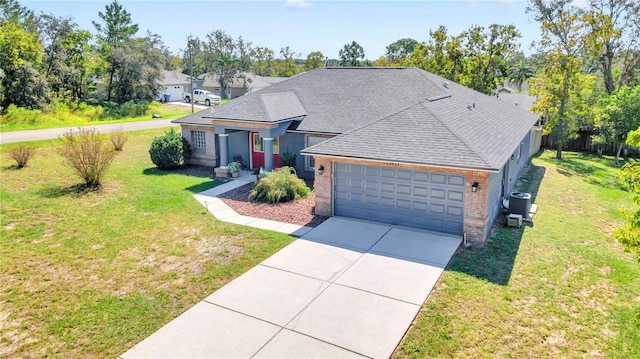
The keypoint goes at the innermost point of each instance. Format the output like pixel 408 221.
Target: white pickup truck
pixel 202 96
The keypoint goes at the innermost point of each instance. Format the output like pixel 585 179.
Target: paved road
pixel 49 133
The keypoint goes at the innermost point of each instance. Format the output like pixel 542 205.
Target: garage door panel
pixel 421 177
pixel 387 202
pixel 404 203
pixel 421 191
pixel 456 180
pixel 403 189
pixel 455 211
pixel 436 209
pixel 405 175
pixel 371 199
pixel 457 196
pixel 428 200
pixel 437 193
pixel 438 178
pixel 372 171
pixel 387 173
pixel 420 206
pixel 387 187
pixel 372 185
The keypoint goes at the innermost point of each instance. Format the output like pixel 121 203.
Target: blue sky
pixel 305 25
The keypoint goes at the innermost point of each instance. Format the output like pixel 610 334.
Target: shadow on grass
pixel 77 190
pixel 592 168
pixel 493 260
pixel 188 170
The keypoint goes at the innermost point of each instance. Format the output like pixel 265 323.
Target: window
pixel 198 140
pixel 258 145
pixel 520 151
pixel 309 141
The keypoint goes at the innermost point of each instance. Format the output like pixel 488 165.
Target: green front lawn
pixel 562 288
pixel 92 274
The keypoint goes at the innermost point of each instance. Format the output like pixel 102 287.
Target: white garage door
pixel 175 91
pixel 427 200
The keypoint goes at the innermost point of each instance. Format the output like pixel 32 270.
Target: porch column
pixel 267 145
pixel 224 149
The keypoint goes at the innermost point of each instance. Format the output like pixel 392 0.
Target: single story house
pixel 394 145
pixel 175 83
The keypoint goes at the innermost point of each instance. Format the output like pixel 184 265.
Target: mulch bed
pixel 300 212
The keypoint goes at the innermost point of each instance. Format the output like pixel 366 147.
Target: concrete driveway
pixel 346 289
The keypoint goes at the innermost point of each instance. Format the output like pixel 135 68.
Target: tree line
pixel 584 72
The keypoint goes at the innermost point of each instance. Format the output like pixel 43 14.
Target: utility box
pixel 514 220
pixel 520 203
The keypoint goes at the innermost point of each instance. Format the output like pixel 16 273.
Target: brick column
pixel 475 207
pixel 323 186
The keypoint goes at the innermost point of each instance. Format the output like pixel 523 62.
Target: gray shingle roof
pixel 389 114
pixel 263 107
pixel 446 132
pixel 338 100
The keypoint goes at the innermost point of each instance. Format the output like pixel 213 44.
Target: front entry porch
pixel 254 148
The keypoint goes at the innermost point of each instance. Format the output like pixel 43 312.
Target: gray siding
pixel 514 167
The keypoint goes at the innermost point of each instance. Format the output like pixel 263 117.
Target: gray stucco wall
pixel 514 166
pixel 495 197
pixel 202 157
pixel 294 142
pixel 239 145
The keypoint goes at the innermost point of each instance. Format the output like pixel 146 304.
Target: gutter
pixel 387 162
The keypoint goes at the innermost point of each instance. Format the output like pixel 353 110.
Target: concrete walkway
pixel 345 289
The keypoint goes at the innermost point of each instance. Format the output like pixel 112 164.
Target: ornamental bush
pixel 281 185
pixel 169 151
pixel 88 153
pixel 118 139
pixel 21 154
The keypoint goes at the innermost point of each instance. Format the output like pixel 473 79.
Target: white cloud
pixel 297 4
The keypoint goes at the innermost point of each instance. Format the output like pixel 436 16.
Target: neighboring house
pixel 240 86
pixel 175 83
pixel 395 145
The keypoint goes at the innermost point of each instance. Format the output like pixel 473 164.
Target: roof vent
pixel 445 84
pixel 515 103
pixel 470 107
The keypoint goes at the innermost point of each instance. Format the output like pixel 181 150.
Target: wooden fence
pixel 582 143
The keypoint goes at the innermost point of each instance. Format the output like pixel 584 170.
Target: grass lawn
pixel 90 275
pixel 67 118
pixel 562 288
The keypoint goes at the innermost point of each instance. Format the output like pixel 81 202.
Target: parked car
pixel 206 97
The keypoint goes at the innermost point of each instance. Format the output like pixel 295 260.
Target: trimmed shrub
pixel 169 151
pixel 118 139
pixel 88 153
pixel 21 154
pixel 281 185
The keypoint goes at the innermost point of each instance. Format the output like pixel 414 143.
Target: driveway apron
pixel 346 289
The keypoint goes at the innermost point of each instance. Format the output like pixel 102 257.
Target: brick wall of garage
pixel 206 157
pixel 477 221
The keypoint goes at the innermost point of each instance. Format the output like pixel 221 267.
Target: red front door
pixel 257 151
